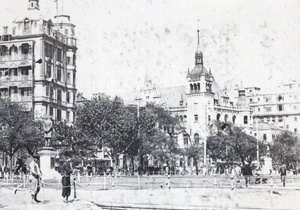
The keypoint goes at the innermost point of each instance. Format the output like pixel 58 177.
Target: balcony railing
pixel 15 57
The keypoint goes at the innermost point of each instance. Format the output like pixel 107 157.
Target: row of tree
pixel 105 123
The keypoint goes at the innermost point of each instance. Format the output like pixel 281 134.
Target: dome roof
pixel 199 71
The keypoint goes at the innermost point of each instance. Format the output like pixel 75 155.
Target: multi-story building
pixel 38 63
pixel 280 108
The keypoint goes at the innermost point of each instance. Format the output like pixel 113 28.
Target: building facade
pixel 38 63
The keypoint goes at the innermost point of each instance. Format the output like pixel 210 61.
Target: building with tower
pixel 197 104
pixel 38 63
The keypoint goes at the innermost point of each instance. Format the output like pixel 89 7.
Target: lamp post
pixel 257 148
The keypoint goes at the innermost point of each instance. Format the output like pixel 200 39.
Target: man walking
pixel 66 179
pixel 235 173
pixel 283 174
pixel 247 173
pixel 35 180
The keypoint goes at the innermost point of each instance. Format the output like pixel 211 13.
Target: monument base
pixel 47 160
pixel 267 165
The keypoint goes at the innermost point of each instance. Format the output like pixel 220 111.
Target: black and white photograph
pixel 149 104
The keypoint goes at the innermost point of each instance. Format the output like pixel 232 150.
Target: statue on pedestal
pixel 48 127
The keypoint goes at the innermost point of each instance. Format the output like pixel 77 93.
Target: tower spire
pixel 198 54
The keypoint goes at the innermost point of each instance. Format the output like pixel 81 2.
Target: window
pixel 280 119
pixel 47 90
pixel 245 119
pixel 58 95
pixel 196 117
pixel 26 24
pixel 265 137
pixel 58 115
pixel 233 119
pixel 51 92
pixel 251 100
pixel 218 116
pixel 295 107
pixel 59 54
pixel 68 60
pixel 280 107
pixel 295 130
pixel 68 116
pixel 258 109
pixel 287 126
pixel 196 138
pixel 51 111
pixel 58 74
pixel 258 99
pixel 180 118
pixel 295 119
pixel 185 139
pixel 68 78
pixel 68 97
pixel 5 30
pixel 48 73
pixel 225 117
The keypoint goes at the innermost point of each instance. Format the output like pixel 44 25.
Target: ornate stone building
pixel 38 63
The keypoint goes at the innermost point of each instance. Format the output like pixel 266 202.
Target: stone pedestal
pixel 47 160
pixel 267 166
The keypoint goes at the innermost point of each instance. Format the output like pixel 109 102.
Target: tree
pixel 106 123
pixel 19 129
pixel 156 129
pixel 285 149
pixel 229 143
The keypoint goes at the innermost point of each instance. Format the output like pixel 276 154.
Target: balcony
pixel 15 57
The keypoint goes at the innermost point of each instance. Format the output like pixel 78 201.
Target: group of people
pixel 35 177
pixel 246 171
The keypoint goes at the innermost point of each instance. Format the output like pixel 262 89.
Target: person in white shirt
pixel 235 173
pixel 35 177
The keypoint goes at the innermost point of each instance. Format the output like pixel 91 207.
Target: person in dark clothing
pixel 247 173
pixel 19 164
pixel 283 174
pixel 66 179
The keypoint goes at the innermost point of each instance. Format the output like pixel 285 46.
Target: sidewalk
pixel 191 198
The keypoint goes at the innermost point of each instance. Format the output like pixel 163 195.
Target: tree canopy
pixel 19 130
pixel 229 143
pixel 285 149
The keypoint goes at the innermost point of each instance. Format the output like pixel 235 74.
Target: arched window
pixel 225 117
pixel 233 119
pixel 180 118
pixel 195 86
pixel 191 85
pixel 196 138
pixel 198 86
pixel 265 137
pixel 185 139
pixel 218 116
pixel 245 119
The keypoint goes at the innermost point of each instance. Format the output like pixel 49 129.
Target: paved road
pixel 92 196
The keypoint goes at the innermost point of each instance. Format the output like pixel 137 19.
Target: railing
pixel 16 78
pixel 15 57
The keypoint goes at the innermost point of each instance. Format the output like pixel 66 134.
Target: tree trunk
pixel 11 166
pixel 196 163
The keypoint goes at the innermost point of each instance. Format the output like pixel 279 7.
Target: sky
pixel 120 41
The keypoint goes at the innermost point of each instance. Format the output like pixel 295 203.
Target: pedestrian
pixel 35 177
pixel 247 173
pixel 283 174
pixel 235 173
pixel 89 169
pixel 66 179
